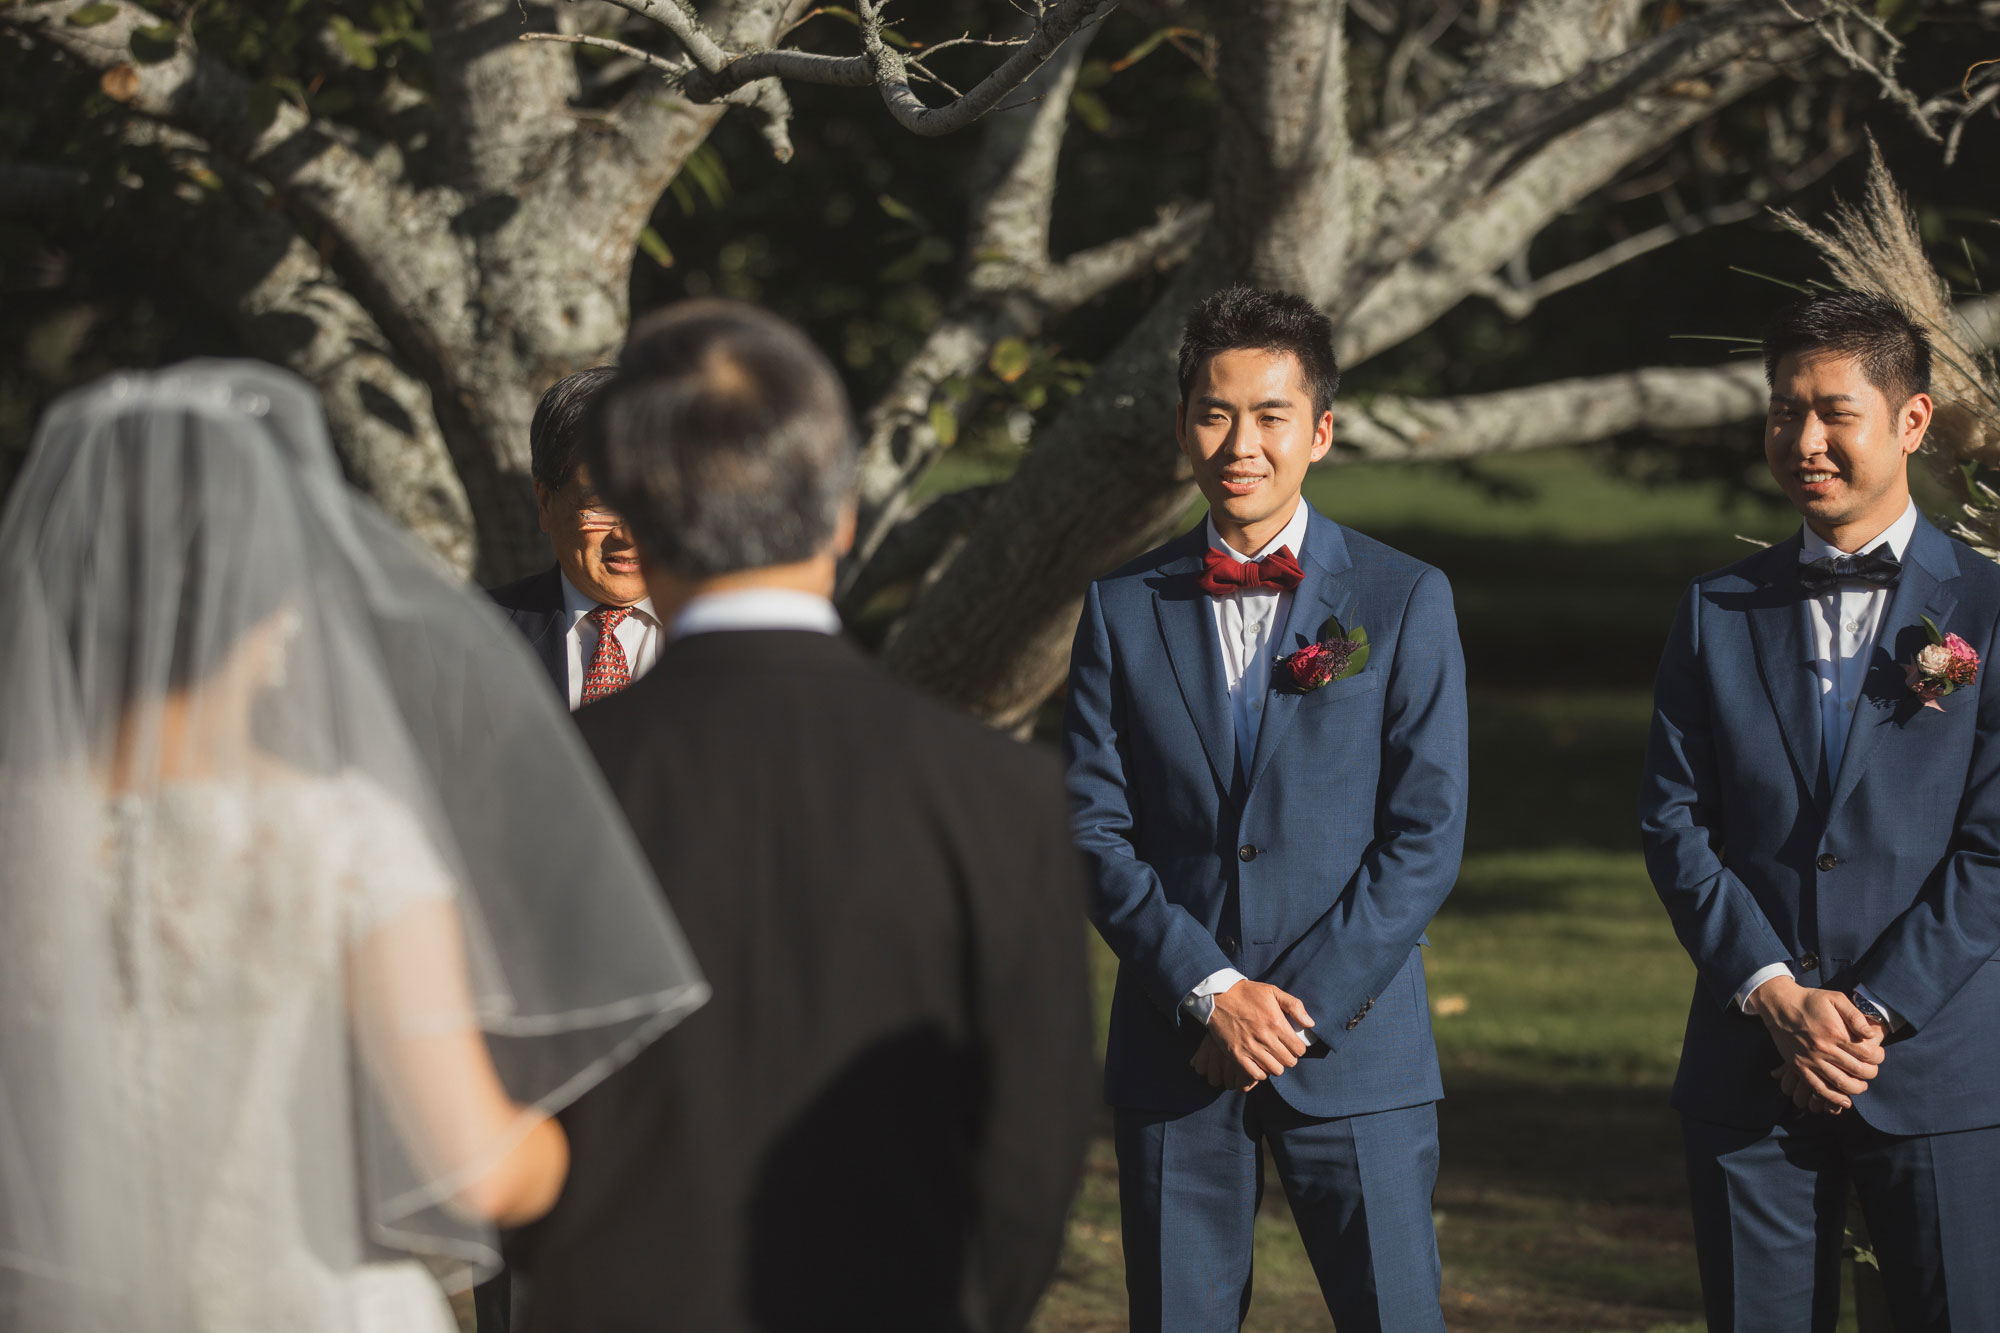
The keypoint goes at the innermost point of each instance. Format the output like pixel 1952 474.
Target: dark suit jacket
pixel 1318 870
pixel 878 1120
pixel 535 605
pixel 1886 875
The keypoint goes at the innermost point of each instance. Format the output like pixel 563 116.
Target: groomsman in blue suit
pixel 1266 744
pixel 1821 815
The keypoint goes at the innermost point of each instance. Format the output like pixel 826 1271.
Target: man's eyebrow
pixel 1272 402
pixel 1210 400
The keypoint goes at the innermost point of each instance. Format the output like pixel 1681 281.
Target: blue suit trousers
pixel 1770 1209
pixel 1360 1187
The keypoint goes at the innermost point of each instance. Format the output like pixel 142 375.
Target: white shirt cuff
pixel 1888 1014
pixel 1199 1003
pixel 1758 978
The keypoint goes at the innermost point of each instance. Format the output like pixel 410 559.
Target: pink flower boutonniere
pixel 1335 655
pixel 1947 663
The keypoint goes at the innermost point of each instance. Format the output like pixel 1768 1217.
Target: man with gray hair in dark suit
pixel 878 1120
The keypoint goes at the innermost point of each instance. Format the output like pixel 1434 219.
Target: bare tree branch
pixel 754 78
pixel 1089 273
pixel 1480 145
pixel 687 29
pixel 1503 217
pixel 674 70
pixel 1570 412
pixel 1054 25
pixel 1830 20
pixel 1517 299
pixel 1546 416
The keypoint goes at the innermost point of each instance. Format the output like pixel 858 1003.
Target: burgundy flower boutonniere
pixel 1335 655
pixel 1947 663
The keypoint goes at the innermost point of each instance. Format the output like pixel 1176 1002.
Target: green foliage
pixel 91 16
pixel 943 423
pixel 655 249
pixel 1010 360
pixel 703 175
pixel 358 46
pixel 153 45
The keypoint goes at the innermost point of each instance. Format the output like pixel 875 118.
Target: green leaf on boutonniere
pixel 1930 627
pixel 1332 631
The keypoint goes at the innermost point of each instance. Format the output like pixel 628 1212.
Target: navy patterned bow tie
pixel 1878 568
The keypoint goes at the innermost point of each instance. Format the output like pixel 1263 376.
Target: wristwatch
pixel 1868 1010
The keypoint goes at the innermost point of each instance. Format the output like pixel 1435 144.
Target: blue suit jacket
pixel 1319 869
pixel 1886 875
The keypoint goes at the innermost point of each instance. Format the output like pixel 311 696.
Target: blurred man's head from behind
pixel 592 544
pixel 726 441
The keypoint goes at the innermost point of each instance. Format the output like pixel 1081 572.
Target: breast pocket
pixel 1333 693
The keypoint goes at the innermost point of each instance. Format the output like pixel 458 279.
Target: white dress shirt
pixel 755 608
pixel 1245 624
pixel 1845 623
pixel 638 634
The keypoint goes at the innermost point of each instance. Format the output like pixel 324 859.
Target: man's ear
pixel 544 499
pixel 844 529
pixel 1914 420
pixel 1322 435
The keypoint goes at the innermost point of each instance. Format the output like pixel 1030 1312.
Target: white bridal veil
pixel 254 747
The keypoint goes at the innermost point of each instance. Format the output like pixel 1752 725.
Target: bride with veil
pixel 312 907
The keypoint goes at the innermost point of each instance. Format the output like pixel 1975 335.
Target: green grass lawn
pixel 1558 990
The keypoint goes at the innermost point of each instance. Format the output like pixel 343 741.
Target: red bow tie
pixel 1221 576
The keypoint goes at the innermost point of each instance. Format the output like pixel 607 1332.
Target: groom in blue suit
pixel 1269 834
pixel 1822 820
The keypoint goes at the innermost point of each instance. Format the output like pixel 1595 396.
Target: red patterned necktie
pixel 608 672
pixel 1221 575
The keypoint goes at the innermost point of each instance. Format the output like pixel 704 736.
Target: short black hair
pixel 1251 317
pixel 725 440
pixel 1893 349
pixel 555 438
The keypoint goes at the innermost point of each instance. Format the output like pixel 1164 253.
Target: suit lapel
pixel 1783 644
pixel 1318 596
pixel 551 645
pixel 551 641
pixel 1187 628
pixel 1924 589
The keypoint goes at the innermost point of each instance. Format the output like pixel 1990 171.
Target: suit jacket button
pixel 1366 1005
pixel 1354 1022
pixel 1246 853
pixel 1809 963
pixel 1827 861
pixel 1228 943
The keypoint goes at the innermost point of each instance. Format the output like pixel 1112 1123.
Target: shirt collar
pixel 1293 535
pixel 755 609
pixel 1896 537
pixel 576 606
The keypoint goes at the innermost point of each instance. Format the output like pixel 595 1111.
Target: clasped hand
pixel 1828 1049
pixel 1252 1035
